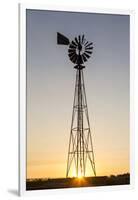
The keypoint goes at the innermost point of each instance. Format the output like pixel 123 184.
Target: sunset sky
pixel 50 91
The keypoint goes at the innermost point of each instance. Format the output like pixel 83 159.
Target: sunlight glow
pixel 80 176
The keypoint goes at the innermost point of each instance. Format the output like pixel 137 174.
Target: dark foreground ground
pixel 37 184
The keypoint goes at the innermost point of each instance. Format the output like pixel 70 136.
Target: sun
pixel 80 176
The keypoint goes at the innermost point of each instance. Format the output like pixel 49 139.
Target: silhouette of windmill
pixel 80 149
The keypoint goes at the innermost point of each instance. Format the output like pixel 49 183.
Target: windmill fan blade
pixel 86 43
pixel 72 46
pixel 73 43
pixel 71 50
pixel 89 52
pixel 76 40
pixel 79 39
pixel 71 54
pixel 61 39
pixel 87 56
pixel 84 58
pixel 82 39
pixel 74 58
pixel 89 44
pixel 89 48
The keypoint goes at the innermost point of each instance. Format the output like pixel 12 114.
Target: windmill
pixel 80 149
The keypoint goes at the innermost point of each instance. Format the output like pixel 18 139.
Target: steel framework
pixel 80 142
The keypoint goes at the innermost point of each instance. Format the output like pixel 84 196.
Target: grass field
pixel 51 183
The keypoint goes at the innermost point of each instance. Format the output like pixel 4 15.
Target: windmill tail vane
pixel 80 151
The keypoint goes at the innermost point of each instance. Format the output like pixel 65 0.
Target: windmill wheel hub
pixel 80 50
pixel 79 47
